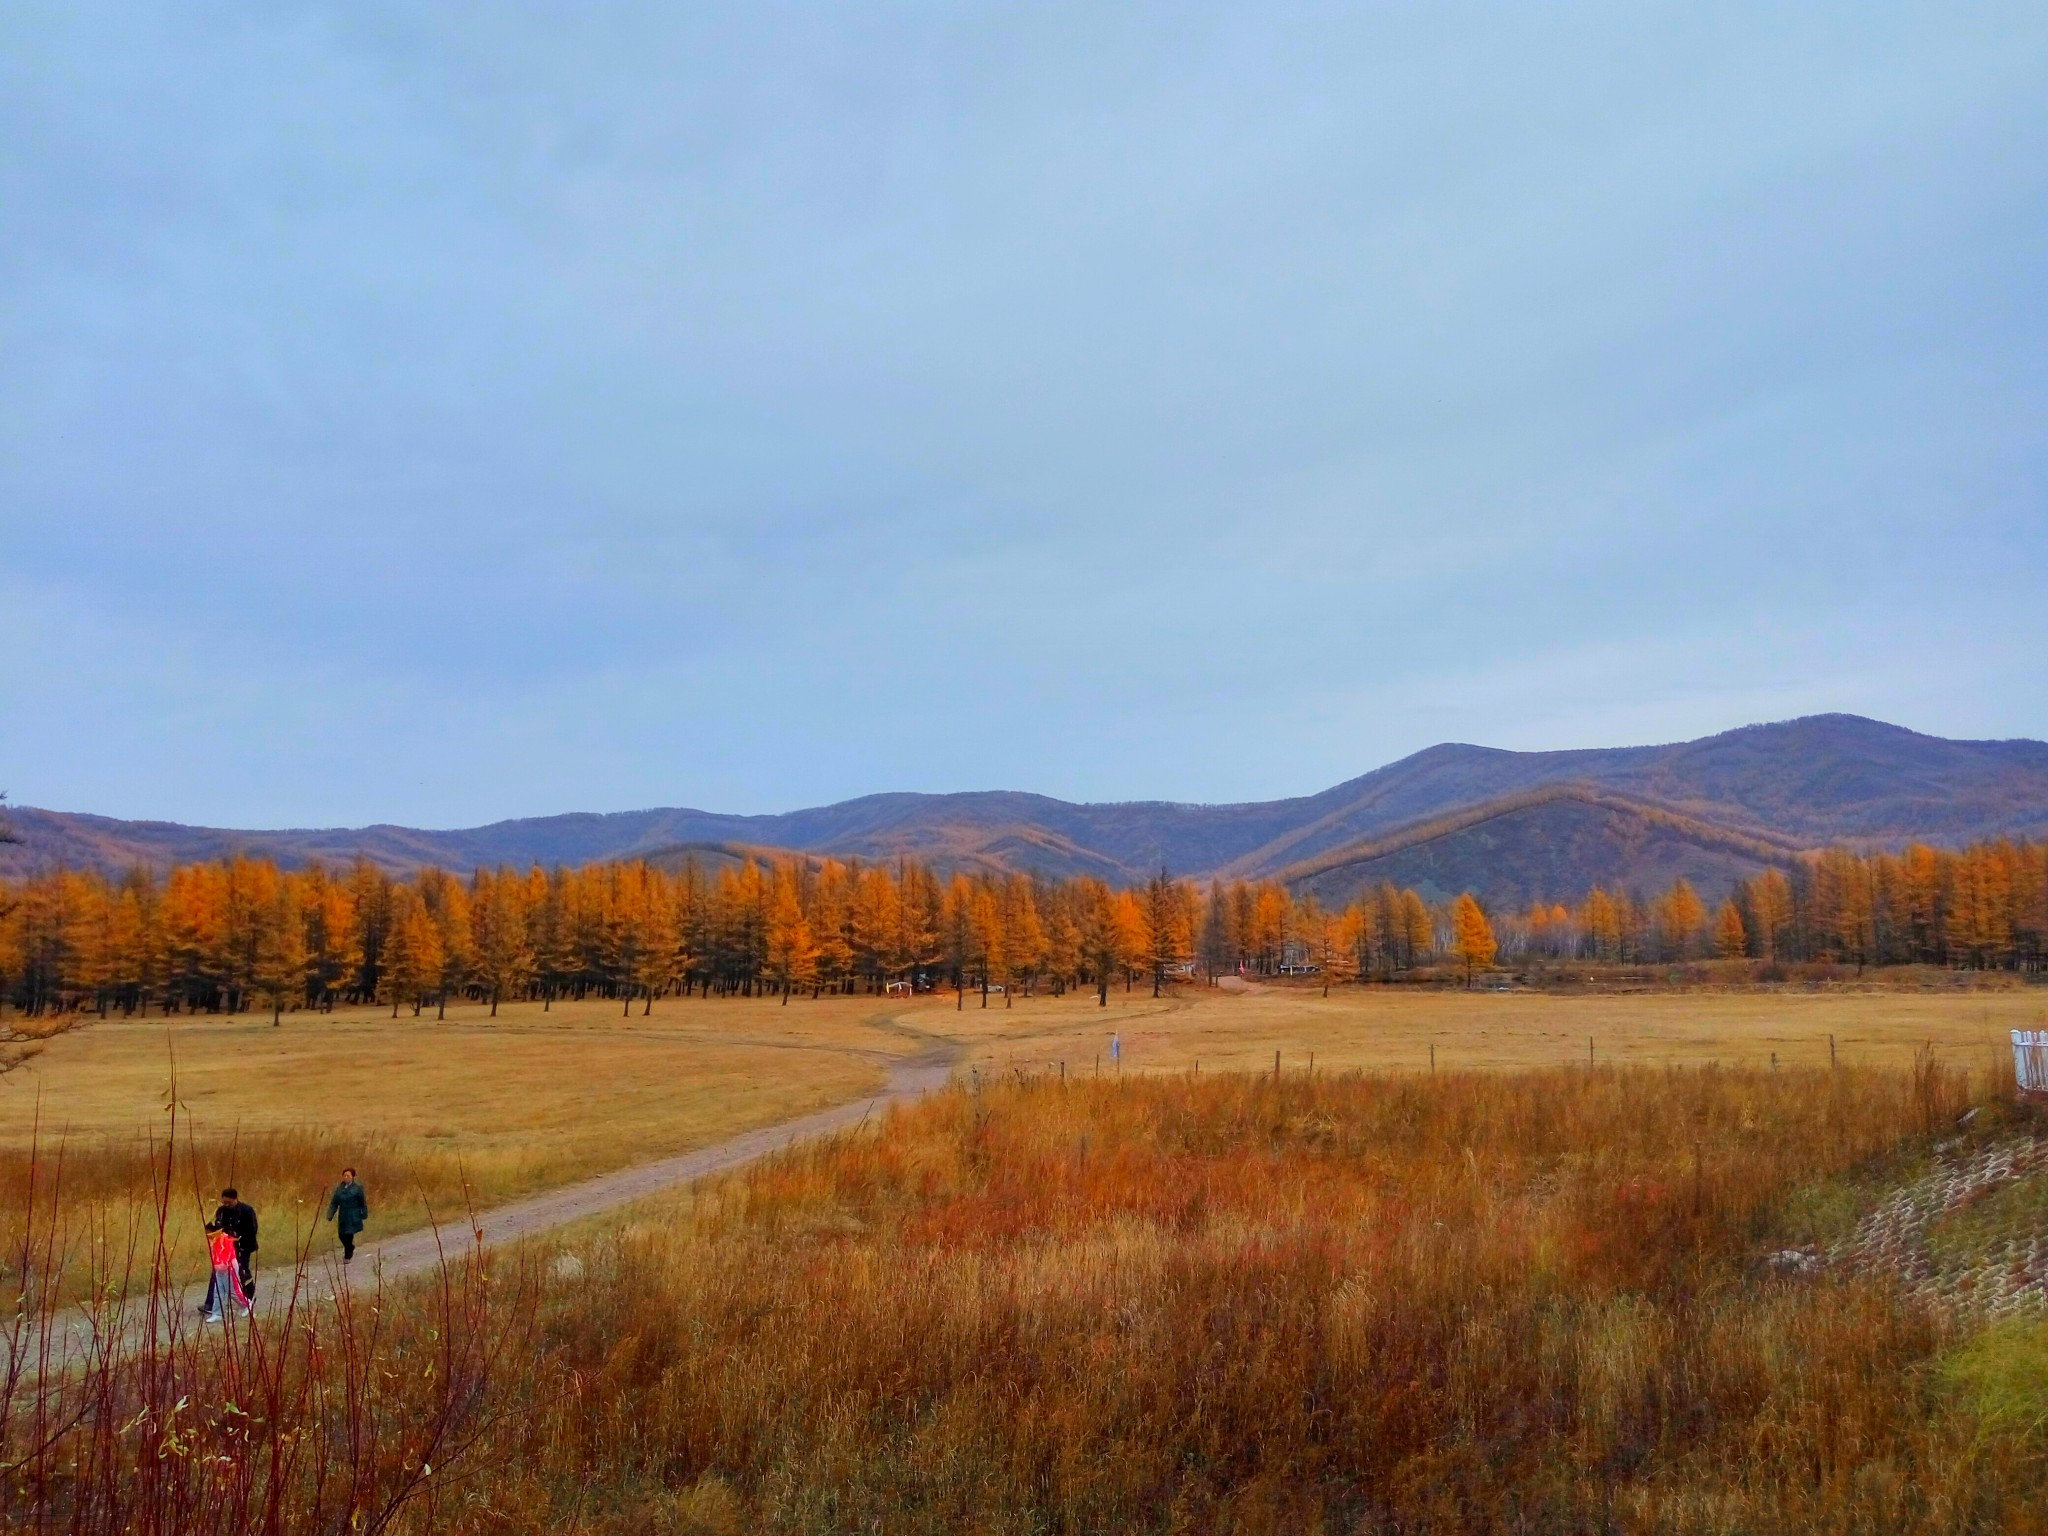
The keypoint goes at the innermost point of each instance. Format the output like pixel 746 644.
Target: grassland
pixel 1470 1301
pixel 478 1108
pixel 1394 1029
pixel 434 1114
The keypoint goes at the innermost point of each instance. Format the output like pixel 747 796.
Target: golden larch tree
pixel 1731 939
pixel 1472 939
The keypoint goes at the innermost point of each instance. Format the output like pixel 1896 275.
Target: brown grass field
pixel 480 1109
pixel 1393 1029
pixel 1524 1301
pixel 436 1115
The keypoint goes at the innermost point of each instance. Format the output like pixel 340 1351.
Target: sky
pixel 434 413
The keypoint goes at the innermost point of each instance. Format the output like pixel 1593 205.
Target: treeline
pixel 241 933
pixel 1983 907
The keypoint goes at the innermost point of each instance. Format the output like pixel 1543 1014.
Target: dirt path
pixel 411 1253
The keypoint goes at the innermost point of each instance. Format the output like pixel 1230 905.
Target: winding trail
pixel 415 1252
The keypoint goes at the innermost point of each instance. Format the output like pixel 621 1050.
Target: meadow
pixel 435 1115
pixel 1512 1300
pixel 477 1109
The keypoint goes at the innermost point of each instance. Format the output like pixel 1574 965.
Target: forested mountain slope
pixel 1452 817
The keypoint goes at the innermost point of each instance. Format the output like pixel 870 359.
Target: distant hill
pixel 1548 843
pixel 1510 825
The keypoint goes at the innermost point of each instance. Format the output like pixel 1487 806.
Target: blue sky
pixel 436 413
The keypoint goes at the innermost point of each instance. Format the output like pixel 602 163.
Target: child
pixel 227 1273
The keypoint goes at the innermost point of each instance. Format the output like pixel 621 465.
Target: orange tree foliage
pixel 1472 939
pixel 241 933
pixel 1982 907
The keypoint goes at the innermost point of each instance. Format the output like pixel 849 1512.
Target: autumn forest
pixel 241 933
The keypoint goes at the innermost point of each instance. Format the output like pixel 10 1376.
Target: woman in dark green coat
pixel 348 1208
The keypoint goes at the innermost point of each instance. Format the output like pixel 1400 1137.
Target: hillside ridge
pixel 1719 803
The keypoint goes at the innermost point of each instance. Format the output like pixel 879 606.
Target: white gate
pixel 2030 1059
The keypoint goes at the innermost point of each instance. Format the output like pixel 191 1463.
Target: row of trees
pixel 240 933
pixel 1981 907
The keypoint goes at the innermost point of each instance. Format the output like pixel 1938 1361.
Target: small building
pixel 1296 959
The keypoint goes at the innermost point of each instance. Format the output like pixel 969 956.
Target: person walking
pixel 237 1218
pixel 348 1208
pixel 226 1284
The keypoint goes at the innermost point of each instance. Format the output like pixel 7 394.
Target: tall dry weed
pixel 1490 1302
pixel 333 1410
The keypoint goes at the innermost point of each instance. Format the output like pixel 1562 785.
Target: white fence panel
pixel 2030 1059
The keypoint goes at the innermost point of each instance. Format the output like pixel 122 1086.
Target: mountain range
pixel 1509 825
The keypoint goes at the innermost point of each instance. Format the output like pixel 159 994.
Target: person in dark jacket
pixel 238 1219
pixel 348 1208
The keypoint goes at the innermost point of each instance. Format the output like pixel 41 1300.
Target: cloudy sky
pixel 434 413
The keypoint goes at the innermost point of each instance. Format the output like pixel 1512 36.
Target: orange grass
pixel 1476 1302
pixel 1479 1301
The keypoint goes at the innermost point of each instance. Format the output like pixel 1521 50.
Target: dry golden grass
pixel 1385 1301
pixel 1474 1301
pixel 552 1095
pixel 487 1109
pixel 1393 1028
pixel 434 1114
pixel 1499 1301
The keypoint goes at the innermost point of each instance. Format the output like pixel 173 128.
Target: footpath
pixel 419 1251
